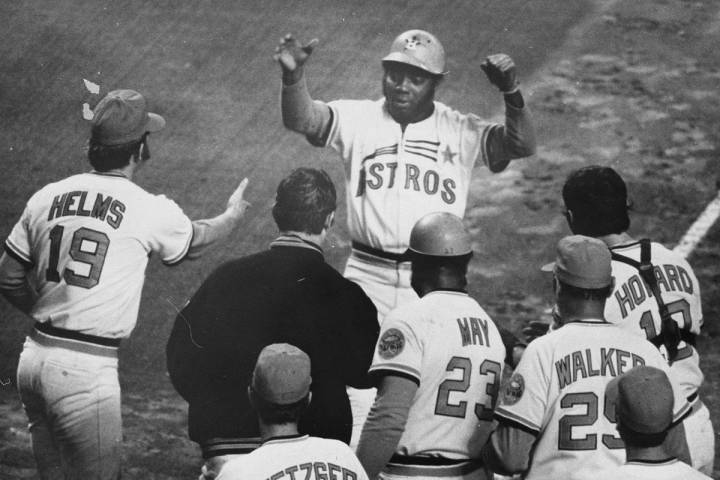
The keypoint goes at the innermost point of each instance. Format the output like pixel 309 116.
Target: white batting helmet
pixel 420 49
pixel 440 234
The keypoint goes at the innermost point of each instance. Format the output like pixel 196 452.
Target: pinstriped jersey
pixel 558 392
pixel 394 176
pixel 633 307
pixel 88 238
pixel 451 347
pixel 296 458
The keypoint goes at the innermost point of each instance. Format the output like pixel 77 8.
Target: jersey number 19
pixel 87 246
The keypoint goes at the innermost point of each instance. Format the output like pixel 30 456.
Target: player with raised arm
pixel 75 262
pixel 405 155
pixel 597 205
pixel 438 365
pixel 554 418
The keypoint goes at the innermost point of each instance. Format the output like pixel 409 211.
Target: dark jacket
pixel 286 294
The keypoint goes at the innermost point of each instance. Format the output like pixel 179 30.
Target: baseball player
pixel 75 262
pixel 554 418
pixel 438 365
pixel 643 401
pixel 280 392
pixel 405 155
pixel 597 205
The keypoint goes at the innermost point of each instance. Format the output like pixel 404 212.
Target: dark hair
pixel 597 197
pixel 276 414
pixel 303 201
pixel 108 157
pixel 595 294
pixel 640 440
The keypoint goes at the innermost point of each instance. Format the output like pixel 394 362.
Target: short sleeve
pixel 473 140
pixel 18 244
pixel 398 349
pixel 171 231
pixel 349 117
pixel 524 398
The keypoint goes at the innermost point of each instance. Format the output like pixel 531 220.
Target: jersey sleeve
pixel 524 399
pixel 17 244
pixel 171 231
pixel 347 120
pixel 398 349
pixel 474 132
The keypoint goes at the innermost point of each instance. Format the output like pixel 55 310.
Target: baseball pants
pixel 387 283
pixel 468 470
pixel 71 395
pixel 700 438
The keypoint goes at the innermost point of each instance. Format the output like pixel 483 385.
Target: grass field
pixel 626 83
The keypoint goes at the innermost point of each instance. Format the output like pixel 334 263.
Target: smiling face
pixel 409 92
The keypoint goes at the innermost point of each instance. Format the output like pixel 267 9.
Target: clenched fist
pixel 500 70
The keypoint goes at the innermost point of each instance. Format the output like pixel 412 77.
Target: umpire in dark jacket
pixel 286 294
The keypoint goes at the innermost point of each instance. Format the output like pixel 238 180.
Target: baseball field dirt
pixel 631 84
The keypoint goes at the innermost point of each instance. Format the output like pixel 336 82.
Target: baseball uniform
pixel 633 308
pixel 671 469
pixel 296 457
pixel 557 392
pixel 449 345
pixel 86 240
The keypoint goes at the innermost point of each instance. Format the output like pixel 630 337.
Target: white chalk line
pixel 699 229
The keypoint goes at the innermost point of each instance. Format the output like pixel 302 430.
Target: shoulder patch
pixel 391 343
pixel 514 389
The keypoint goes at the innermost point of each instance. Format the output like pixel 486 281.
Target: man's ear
pixel 329 221
pixel 250 396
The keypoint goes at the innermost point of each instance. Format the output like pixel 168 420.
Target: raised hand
pixel 291 54
pixel 500 70
pixel 236 204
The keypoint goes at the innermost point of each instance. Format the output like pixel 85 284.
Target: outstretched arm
pixel 208 231
pixel 299 112
pixel 515 139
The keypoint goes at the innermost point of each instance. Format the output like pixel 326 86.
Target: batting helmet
pixel 419 49
pixel 440 234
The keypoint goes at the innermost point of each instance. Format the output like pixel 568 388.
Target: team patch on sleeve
pixel 391 343
pixel 514 389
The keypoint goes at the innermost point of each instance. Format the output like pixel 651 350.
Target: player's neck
pixel 615 239
pixel 268 431
pixel 646 454
pixel 316 238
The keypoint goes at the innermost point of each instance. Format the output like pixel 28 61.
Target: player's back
pixel 566 372
pixel 452 347
pixel 633 307
pixel 296 457
pixel 89 237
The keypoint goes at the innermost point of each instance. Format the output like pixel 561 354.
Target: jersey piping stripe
pixel 421 155
pixel 396 367
pixel 483 147
pixel 16 253
pixel 435 144
pixel 391 150
pixel 500 412
pixel 682 413
pixel 183 253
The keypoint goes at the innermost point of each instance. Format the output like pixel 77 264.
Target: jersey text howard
pixel 379 175
pixel 315 471
pixel 589 363
pixel 634 291
pixel 104 208
pixel 474 331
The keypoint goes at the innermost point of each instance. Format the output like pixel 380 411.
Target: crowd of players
pixel 391 370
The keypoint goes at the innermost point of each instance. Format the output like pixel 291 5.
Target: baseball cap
pixel 582 262
pixel 282 374
pixel 643 399
pixel 420 49
pixel 122 117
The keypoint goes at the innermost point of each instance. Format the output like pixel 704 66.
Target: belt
pixel 48 329
pixel 51 340
pixel 376 252
pixel 417 466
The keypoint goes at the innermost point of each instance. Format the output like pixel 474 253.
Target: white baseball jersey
pixel 296 458
pixel 634 309
pixel 672 469
pixel 88 238
pixel 558 391
pixel 394 176
pixel 446 342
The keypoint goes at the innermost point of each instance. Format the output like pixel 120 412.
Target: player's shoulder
pixel 356 106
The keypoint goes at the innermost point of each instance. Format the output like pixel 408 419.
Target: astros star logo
pixel 411 43
pixel 447 155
